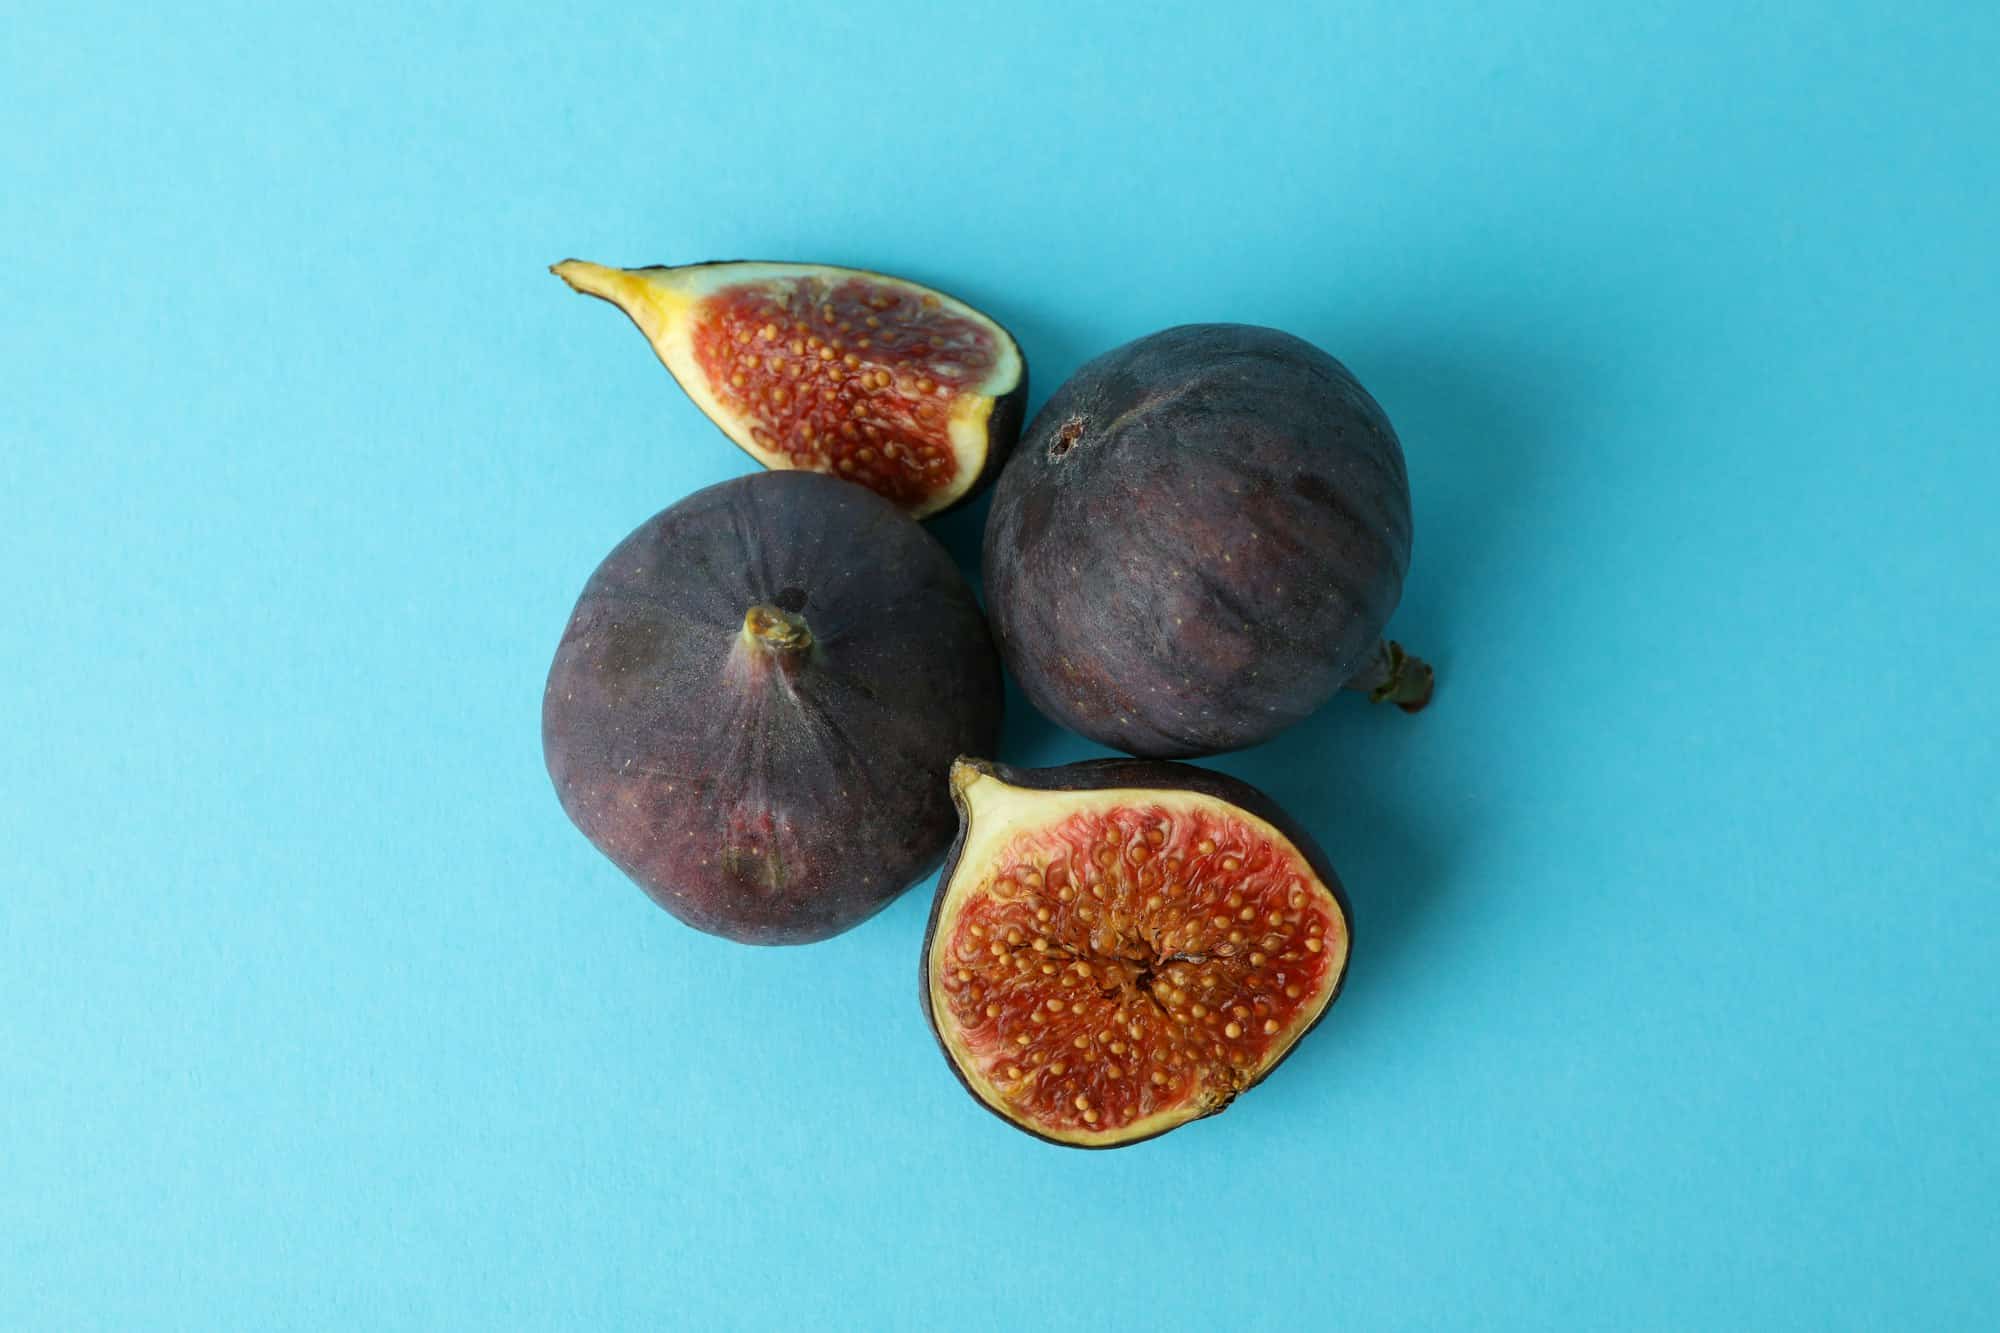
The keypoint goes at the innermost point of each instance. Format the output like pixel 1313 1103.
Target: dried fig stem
pixel 778 635
pixel 1390 675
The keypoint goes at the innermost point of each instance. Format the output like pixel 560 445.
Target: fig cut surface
pixel 1120 947
pixel 868 377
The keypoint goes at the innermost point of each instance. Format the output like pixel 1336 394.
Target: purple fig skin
pixel 1199 540
pixel 756 701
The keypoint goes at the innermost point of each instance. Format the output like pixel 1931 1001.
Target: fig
pixel 756 700
pixel 1120 946
pixel 872 378
pixel 1201 539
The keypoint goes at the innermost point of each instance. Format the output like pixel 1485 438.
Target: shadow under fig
pixel 1397 849
pixel 1383 791
pixel 962 531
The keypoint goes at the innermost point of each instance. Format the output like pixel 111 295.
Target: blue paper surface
pixel 1673 995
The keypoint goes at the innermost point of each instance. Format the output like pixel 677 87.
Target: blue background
pixel 1674 1001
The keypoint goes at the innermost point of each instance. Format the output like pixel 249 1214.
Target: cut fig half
pixel 1122 946
pixel 904 389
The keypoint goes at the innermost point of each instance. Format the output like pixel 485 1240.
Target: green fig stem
pixel 1390 675
pixel 611 284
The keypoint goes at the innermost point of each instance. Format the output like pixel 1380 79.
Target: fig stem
pixel 1390 675
pixel 777 631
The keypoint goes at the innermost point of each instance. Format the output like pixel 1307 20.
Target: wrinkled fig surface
pixel 1200 540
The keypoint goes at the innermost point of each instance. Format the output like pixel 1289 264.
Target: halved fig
pixel 1121 946
pixel 872 378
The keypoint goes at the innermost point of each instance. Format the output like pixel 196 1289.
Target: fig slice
pixel 1121 946
pixel 872 378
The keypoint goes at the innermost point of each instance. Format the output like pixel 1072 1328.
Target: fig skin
pixel 1199 541
pixel 1092 775
pixel 755 701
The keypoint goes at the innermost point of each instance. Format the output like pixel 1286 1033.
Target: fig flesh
pixel 1121 946
pixel 755 701
pixel 871 378
pixel 1200 540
